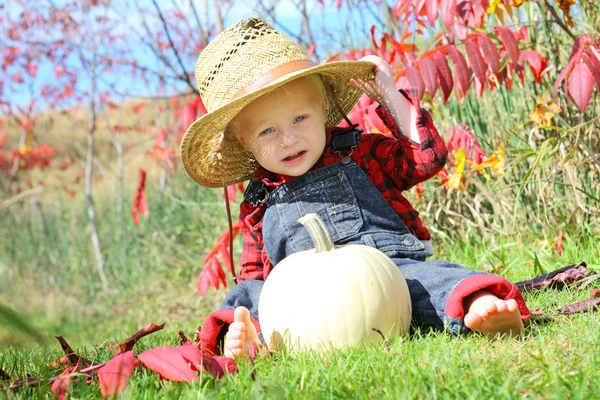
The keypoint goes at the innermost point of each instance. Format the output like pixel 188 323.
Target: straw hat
pixel 243 63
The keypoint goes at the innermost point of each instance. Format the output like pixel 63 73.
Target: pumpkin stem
pixel 318 233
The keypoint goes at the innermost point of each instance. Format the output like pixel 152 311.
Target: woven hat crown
pixel 240 55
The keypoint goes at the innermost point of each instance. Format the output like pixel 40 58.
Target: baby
pixel 304 163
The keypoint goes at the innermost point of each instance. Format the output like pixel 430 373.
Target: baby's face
pixel 285 130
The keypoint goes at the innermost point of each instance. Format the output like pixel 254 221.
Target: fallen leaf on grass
pixel 582 306
pixel 557 279
pixel 60 386
pixel 128 344
pixel 115 374
pixel 72 357
pixel 217 366
pixel 170 364
pixel 181 363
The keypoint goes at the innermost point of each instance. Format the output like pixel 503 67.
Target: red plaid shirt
pixel 392 162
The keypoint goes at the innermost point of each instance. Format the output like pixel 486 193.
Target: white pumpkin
pixel 333 296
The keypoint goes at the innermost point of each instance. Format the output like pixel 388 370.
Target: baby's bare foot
pixel 490 315
pixel 241 334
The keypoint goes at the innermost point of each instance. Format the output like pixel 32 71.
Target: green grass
pixel 153 269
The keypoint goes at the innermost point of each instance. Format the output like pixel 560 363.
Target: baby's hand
pixel 379 88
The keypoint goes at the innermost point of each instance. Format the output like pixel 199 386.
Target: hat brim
pixel 214 159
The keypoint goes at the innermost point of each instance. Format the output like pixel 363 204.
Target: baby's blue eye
pixel 299 118
pixel 267 131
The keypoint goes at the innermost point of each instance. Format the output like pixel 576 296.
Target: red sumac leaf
pixel 429 74
pixel 582 306
pixel 219 273
pixel 581 83
pixel 475 60
pixel 594 66
pixel 169 363
pixel 537 63
pixel 60 386
pixel 374 118
pixel 192 355
pixel 492 58
pixel 445 75
pixel 416 80
pixel 217 366
pixel 115 374
pixel 448 8
pixel 206 278
pixel 432 11
pixel 509 41
pixel 574 58
pixel 460 68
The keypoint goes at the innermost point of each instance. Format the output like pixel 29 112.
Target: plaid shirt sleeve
pixel 255 262
pixel 405 161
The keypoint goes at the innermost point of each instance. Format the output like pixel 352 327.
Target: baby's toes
pixel 235 334
pixel 501 306
pixel 472 320
pixel 511 305
pixel 237 326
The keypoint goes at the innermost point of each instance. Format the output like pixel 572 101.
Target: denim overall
pixel 354 212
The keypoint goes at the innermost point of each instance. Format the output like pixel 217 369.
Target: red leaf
pixel 60 386
pixel 415 80
pixel 511 44
pixel 448 8
pixel 191 354
pixel 138 108
pixel 169 363
pixel 115 374
pixel 311 50
pixel 582 306
pixel 139 203
pixel 188 115
pixel 475 60
pixel 537 63
pixel 581 83
pixel 594 66
pixel 226 257
pixel 374 118
pixel 445 75
pixel 430 75
pixel 574 58
pixel 217 366
pixel 460 67
pixel 432 11
pixel 490 52
pixel 206 278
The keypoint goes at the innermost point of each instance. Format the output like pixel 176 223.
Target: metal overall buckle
pixel 257 193
pixel 343 145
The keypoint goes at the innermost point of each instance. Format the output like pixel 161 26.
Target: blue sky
pixel 287 16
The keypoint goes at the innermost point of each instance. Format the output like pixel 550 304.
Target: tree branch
pixel 166 28
pixel 559 21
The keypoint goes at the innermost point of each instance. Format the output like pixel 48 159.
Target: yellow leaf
pixel 493 5
pixel 496 162
pixel 456 181
pixel 516 3
pixel 26 147
pixel 461 160
pixel 565 6
pixel 544 113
